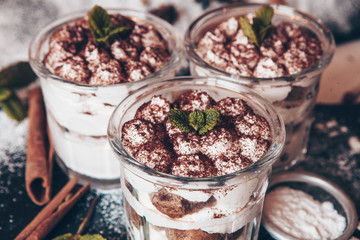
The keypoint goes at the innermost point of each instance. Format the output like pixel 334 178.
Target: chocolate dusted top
pixel 154 111
pixel 195 100
pixel 135 54
pixel 287 49
pixel 240 138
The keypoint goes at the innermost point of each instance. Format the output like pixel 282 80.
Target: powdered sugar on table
pixel 301 216
pixel 12 144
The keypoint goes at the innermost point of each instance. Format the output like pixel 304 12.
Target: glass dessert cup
pixel 293 96
pixel 221 207
pixel 78 114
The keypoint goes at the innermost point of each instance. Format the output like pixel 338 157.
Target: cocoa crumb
pixel 218 215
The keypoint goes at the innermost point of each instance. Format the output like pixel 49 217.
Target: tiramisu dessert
pixel 277 51
pixel 199 156
pixel 77 54
pixel 87 64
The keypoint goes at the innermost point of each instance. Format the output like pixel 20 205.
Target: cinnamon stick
pixel 49 223
pixel 38 167
pixel 51 214
pixel 51 152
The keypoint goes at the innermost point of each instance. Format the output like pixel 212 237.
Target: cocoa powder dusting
pixel 239 139
pixel 75 56
pixel 287 49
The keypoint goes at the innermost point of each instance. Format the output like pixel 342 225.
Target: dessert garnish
pixel 102 28
pixel 198 121
pixel 11 78
pixel 256 31
pixel 4 93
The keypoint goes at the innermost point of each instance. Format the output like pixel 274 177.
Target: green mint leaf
pixel 91 237
pixel 261 24
pixel 5 93
pixel 179 119
pixel 197 119
pixel 113 34
pixel 102 40
pixel 211 118
pixel 259 30
pixel 248 30
pixel 13 107
pixel 67 236
pixel 265 14
pixel 118 30
pixel 100 24
pixel 262 32
pixel 17 75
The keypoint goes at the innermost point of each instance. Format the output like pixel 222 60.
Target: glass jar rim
pixel 328 52
pixel 273 152
pixel 39 39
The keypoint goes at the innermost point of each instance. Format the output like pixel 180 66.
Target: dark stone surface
pixel 329 155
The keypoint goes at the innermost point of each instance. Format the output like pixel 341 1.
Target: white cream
pixel 85 110
pixel 203 219
pixel 84 154
pixel 236 206
pixel 273 92
pixel 78 119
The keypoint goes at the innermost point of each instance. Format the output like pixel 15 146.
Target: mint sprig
pixel 256 32
pixel 102 28
pixel 197 121
pixel 211 118
pixel 17 75
pixel 13 107
pixel 5 93
pixel 12 77
pixel 179 119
